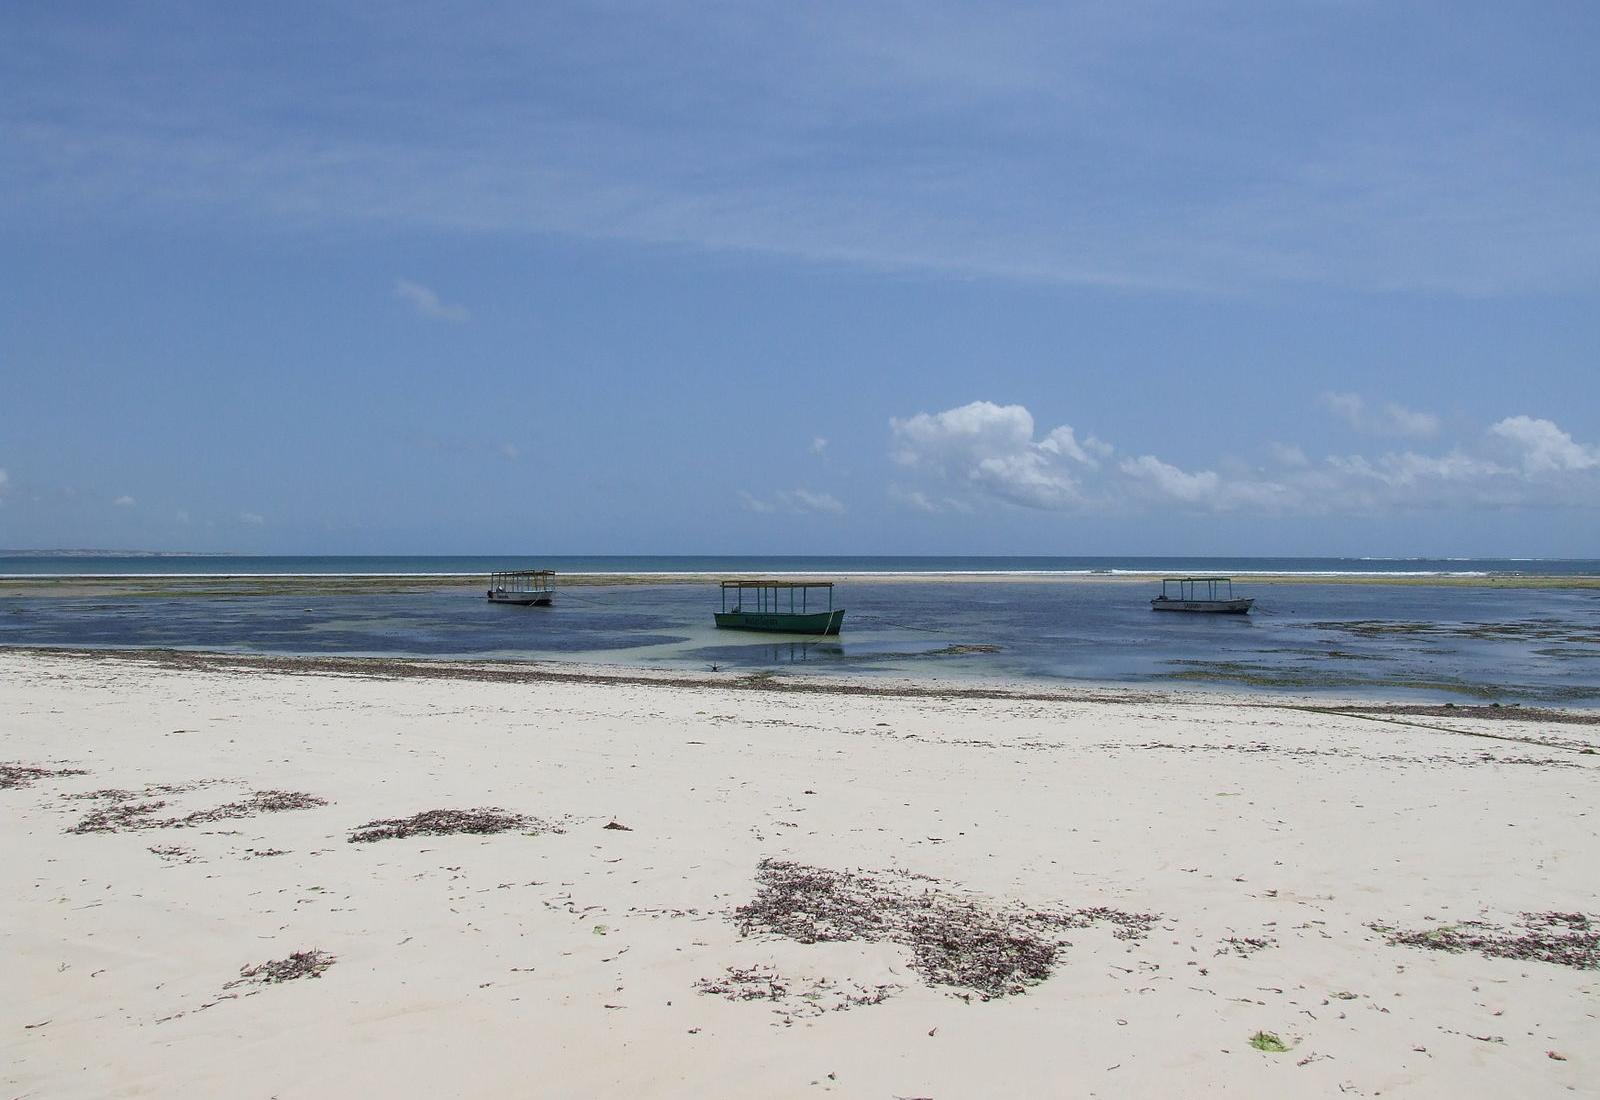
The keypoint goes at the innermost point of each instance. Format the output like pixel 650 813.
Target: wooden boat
pixel 1213 594
pixel 525 587
pixel 779 607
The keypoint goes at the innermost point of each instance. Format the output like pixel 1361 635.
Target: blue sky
pixel 1275 278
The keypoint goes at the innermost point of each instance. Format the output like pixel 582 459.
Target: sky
pixel 1273 278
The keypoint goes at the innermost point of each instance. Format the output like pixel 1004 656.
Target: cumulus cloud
pixel 987 453
pixel 1544 448
pixel 1390 419
pixel 427 303
pixel 989 449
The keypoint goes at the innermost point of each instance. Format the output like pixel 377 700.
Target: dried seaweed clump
pixel 482 821
pixel 794 997
pixel 302 964
pixel 955 939
pixel 124 813
pixel 13 776
pixel 1566 939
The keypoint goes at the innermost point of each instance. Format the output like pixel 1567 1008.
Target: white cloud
pixel 254 519
pixel 124 501
pixel 989 449
pixel 427 303
pixel 509 451
pixel 807 500
pixel 819 445
pixel 799 500
pixel 1391 419
pixel 1543 447
pixel 5 480
pixel 983 452
pixel 1169 481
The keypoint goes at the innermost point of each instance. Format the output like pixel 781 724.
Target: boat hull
pixel 1214 607
pixel 816 623
pixel 523 599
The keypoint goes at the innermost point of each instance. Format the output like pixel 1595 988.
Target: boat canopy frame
pixel 767 595
pixel 522 582
pixel 1186 588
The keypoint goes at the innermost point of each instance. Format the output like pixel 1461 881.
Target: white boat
pixel 525 587
pixel 1213 594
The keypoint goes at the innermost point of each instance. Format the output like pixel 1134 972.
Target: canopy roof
pixel 777 584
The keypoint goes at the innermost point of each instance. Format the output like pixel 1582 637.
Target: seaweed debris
pixel 482 822
pixel 1245 946
pixel 955 939
pixel 124 812
pixel 302 964
pixel 794 997
pixel 13 776
pixel 1566 939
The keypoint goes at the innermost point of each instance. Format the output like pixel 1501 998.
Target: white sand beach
pixel 1100 894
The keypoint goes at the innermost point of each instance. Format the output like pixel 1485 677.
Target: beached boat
pixel 779 607
pixel 526 587
pixel 1213 594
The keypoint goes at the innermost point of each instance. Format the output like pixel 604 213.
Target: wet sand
pixel 246 876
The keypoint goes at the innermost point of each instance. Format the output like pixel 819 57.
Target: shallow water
pixel 1423 642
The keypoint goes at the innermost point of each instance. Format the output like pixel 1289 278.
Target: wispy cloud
pixel 798 500
pixel 252 519
pixel 987 453
pixel 427 303
pixel 1389 419
pixel 124 501
pixel 1101 144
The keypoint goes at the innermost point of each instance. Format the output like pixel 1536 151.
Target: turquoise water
pixel 32 565
pixel 1432 642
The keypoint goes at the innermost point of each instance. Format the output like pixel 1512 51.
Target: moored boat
pixel 524 587
pixel 1205 594
pixel 779 607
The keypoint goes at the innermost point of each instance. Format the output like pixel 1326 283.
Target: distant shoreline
pixel 217 584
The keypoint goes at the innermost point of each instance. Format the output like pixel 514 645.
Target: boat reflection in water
pixel 794 653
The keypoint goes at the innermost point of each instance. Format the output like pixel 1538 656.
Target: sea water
pixel 1420 641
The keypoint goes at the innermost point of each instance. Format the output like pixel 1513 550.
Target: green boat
pixel 779 607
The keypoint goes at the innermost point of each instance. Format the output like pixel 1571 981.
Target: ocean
pixel 1412 641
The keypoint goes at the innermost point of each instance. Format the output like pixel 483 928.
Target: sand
pixel 1106 894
